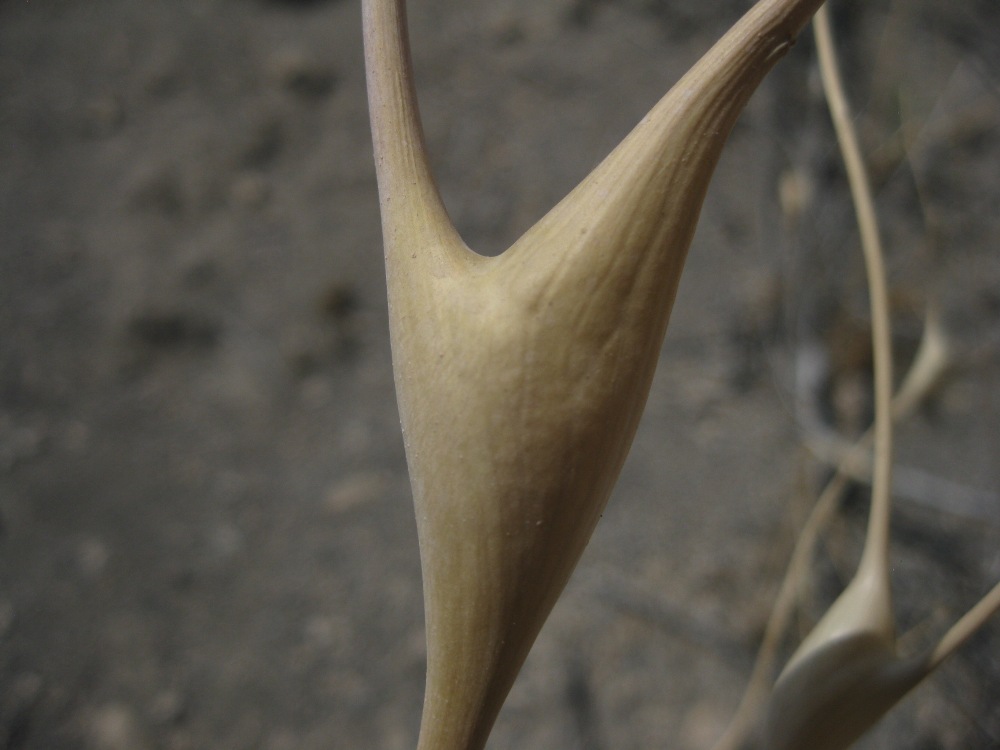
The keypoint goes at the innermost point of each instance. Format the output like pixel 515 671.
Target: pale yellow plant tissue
pixel 521 378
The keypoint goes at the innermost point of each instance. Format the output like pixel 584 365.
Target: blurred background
pixel 206 537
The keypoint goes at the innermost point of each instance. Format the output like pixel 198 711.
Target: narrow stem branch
pixel 761 676
pixel 965 628
pixel 876 553
pixel 410 202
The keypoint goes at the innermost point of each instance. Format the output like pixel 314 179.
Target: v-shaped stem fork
pixel 521 378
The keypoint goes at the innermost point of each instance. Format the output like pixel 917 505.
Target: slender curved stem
pixel 965 628
pixel 875 558
pixel 409 197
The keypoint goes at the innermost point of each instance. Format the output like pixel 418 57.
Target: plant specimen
pixel 521 378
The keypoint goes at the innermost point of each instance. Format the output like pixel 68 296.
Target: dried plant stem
pixel 965 628
pixel 762 675
pixel 864 610
pixel 924 373
pixel 875 561
pixel 877 542
pixel 521 378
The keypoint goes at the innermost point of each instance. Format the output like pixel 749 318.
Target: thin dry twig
pixel 965 628
pixel 876 546
pixel 877 543
pixel 932 361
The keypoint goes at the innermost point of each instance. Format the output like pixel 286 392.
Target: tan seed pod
pixel 521 378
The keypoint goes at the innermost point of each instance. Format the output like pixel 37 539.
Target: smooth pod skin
pixel 521 378
pixel 838 692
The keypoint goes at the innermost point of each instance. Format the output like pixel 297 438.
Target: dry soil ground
pixel 206 538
